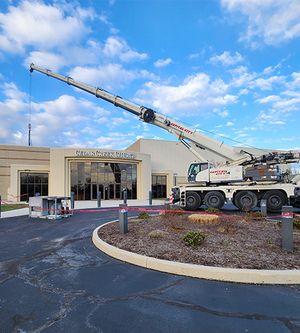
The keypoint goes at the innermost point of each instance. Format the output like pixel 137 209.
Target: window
pixel 32 184
pixel 159 186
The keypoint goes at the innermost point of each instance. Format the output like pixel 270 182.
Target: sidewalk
pixel 89 204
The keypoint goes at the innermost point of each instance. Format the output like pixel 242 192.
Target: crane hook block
pixel 149 116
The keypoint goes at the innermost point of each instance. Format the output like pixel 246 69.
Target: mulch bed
pixel 236 241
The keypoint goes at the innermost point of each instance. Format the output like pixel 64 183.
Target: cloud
pixel 195 94
pixel 271 117
pixel 227 59
pixel 45 59
pixel 110 76
pixel 35 24
pixel 162 62
pixel 117 48
pixel 268 83
pixel 268 99
pixel 270 21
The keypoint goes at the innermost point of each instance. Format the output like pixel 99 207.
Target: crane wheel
pixel 245 200
pixel 214 199
pixel 193 201
pixel 275 200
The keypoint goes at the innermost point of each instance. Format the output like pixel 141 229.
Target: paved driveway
pixel 54 280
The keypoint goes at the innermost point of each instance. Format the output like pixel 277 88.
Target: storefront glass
pixel 159 186
pixel 87 178
pixel 32 184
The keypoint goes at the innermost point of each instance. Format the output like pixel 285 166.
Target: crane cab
pixel 208 174
pixel 194 169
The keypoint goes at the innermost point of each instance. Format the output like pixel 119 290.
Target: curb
pixel 254 276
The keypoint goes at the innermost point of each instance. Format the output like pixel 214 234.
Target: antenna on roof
pixel 29 120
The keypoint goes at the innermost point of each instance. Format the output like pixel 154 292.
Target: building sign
pixel 104 154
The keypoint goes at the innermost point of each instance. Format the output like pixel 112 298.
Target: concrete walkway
pixel 87 205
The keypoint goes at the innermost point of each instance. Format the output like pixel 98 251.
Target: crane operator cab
pixel 194 169
pixel 206 173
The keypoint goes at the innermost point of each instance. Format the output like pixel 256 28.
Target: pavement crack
pixel 288 322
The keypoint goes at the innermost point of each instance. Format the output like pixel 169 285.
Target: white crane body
pixel 243 178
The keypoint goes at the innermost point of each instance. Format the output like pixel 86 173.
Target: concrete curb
pixel 254 276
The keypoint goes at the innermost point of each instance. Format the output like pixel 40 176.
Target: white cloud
pixel 227 59
pixel 162 62
pixel 110 76
pixel 242 77
pixel 267 84
pixel 271 117
pixel 59 122
pixel 116 47
pixel 45 59
pixel 272 21
pixel 192 96
pixel 268 99
pixel 33 23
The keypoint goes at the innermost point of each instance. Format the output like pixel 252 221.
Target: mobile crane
pixel 242 179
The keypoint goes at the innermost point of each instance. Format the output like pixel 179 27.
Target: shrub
pixel 255 216
pixel 173 212
pixel 157 234
pixel 212 210
pixel 194 238
pixel 143 215
pixel 296 222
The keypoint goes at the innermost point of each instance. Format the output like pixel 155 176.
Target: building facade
pixel 144 166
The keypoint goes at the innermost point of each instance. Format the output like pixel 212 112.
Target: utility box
pixel 50 207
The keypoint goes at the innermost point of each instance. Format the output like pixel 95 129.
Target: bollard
pixel 167 205
pixel 287 228
pixel 150 198
pixel 98 199
pixel 72 200
pixel 123 218
pixel 124 195
pixel 263 206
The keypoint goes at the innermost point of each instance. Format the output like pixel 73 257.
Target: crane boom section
pixel 153 117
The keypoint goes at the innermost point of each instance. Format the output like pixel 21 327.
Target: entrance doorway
pixel 108 191
pixel 87 178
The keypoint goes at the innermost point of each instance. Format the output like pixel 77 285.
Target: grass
pixel 7 207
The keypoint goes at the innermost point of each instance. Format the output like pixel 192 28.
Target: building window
pixel 87 178
pixel 159 186
pixel 32 184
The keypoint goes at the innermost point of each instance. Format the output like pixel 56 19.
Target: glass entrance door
pixel 87 178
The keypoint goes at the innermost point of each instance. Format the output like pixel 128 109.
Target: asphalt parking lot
pixel 53 279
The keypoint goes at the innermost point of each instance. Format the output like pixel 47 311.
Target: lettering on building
pixel 104 154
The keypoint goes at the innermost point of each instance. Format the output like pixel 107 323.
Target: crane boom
pixel 183 133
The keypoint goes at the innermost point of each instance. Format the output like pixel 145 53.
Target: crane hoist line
pixel 243 178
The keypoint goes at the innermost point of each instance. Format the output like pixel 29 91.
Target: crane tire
pixel 275 200
pixel 214 199
pixel 193 201
pixel 245 200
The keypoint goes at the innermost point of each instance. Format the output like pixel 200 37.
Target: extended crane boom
pixel 149 116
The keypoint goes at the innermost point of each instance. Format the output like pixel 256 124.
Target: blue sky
pixel 226 67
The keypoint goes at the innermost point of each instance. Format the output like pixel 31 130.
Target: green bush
pixel 173 211
pixel 297 222
pixel 255 216
pixel 194 238
pixel 143 215
pixel 212 210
